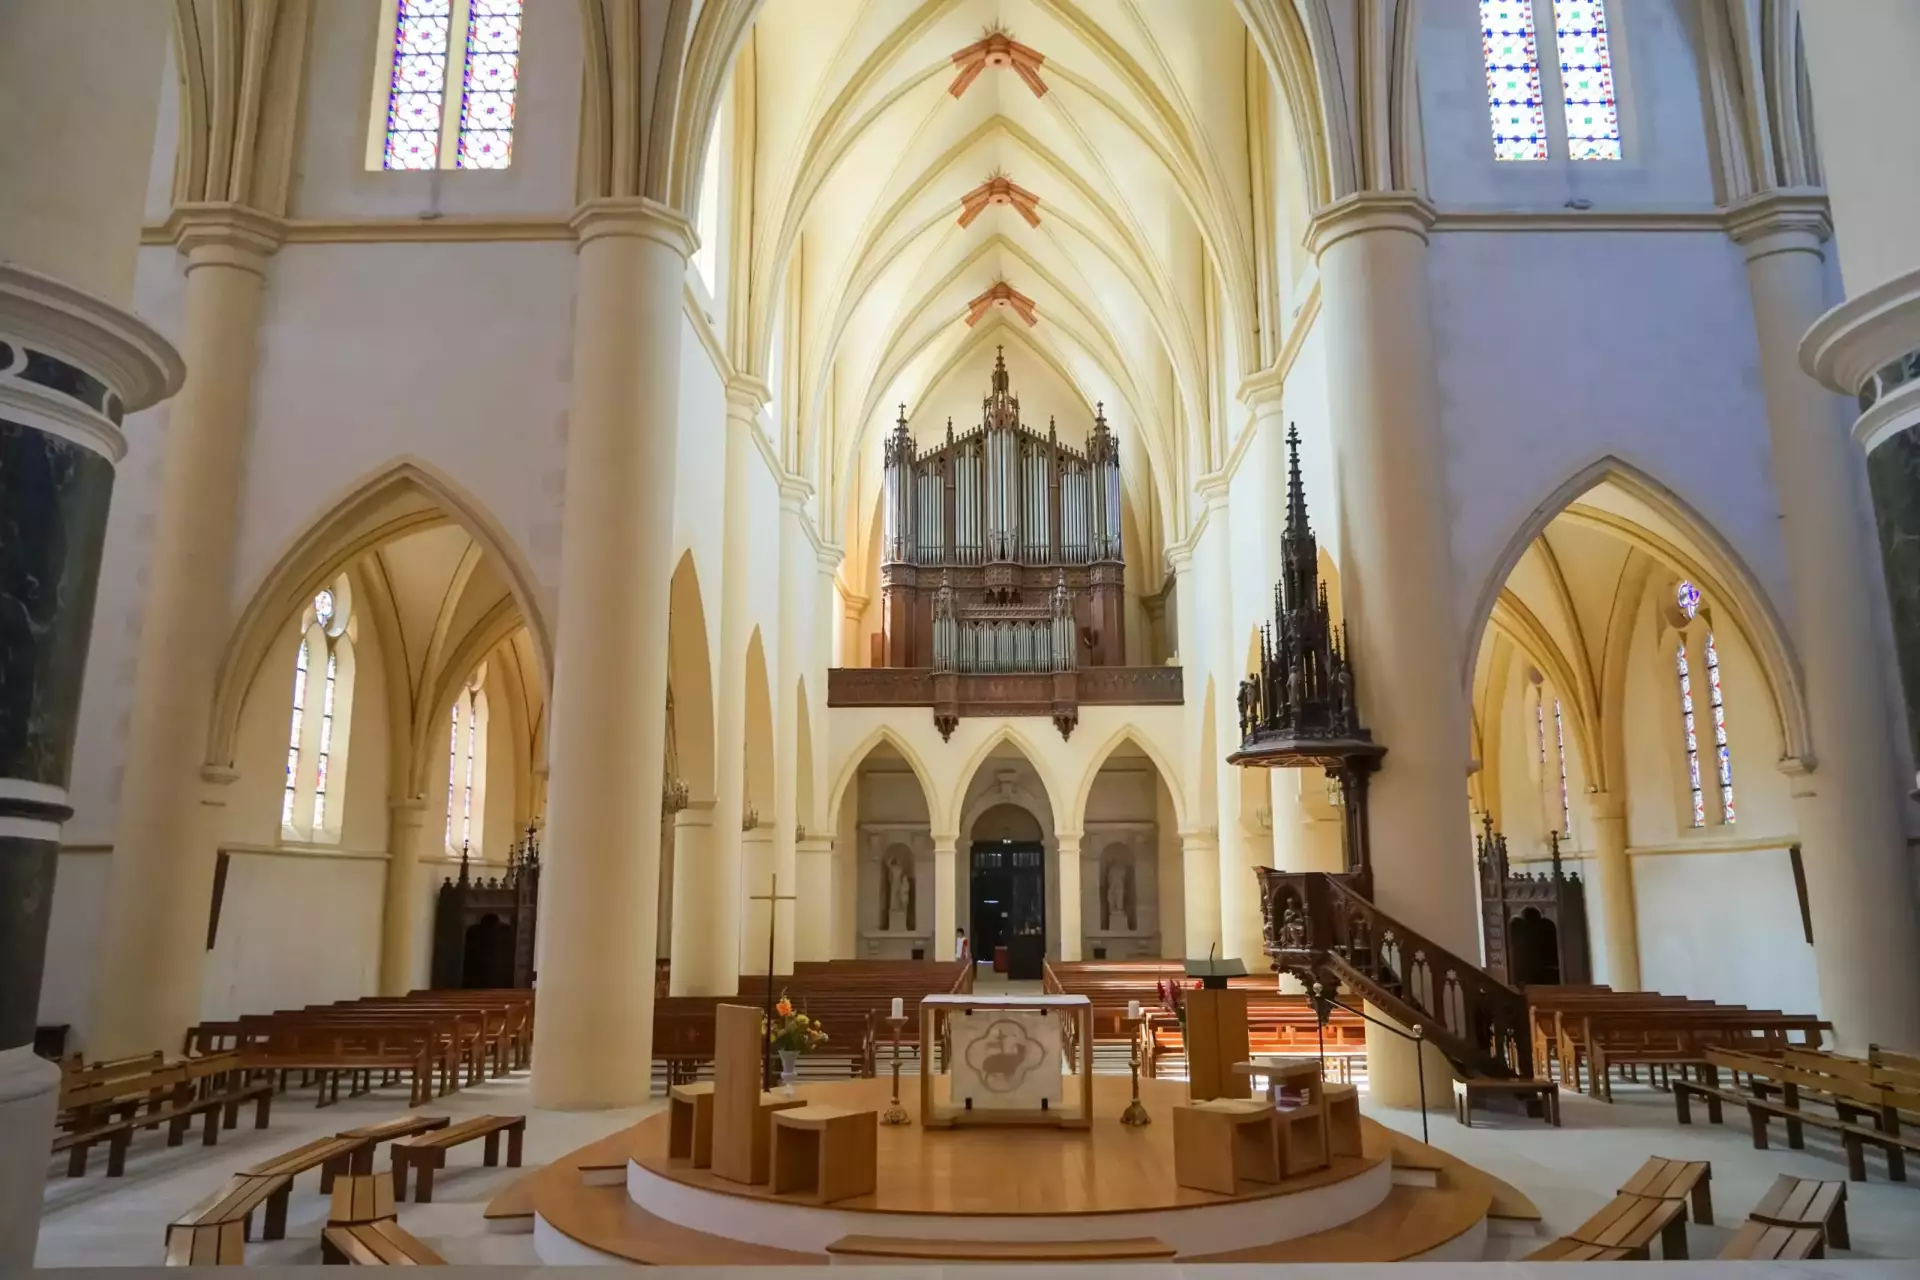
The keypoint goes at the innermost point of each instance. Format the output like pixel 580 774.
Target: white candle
pixel 899 1007
pixel 1133 1010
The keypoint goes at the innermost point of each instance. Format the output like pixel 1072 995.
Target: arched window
pixel 1553 769
pixel 310 806
pixel 423 122
pixel 1560 745
pixel 1687 598
pixel 467 767
pixel 1578 63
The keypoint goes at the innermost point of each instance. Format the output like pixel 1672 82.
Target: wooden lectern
pixel 1216 1032
pixel 742 1114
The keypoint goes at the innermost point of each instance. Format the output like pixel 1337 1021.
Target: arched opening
pixel 1133 887
pixel 686 798
pixel 757 819
pixel 1536 949
pixel 1007 890
pixel 883 851
pixel 1007 799
pixel 1631 699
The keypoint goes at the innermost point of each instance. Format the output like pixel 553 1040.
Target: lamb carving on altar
pixel 1007 1060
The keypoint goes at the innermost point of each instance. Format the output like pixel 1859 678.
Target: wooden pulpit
pixel 1216 1039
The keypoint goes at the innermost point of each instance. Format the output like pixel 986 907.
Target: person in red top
pixel 962 949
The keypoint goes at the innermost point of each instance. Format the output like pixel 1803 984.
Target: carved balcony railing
pixel 1319 928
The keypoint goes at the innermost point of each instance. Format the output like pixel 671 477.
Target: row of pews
pixel 109 1103
pixel 850 998
pixel 1276 1023
pixel 436 1040
pixel 1586 1035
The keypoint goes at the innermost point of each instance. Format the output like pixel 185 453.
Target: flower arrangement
pixel 1173 998
pixel 792 1032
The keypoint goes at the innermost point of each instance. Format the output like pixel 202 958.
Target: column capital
pixel 1607 806
pixel 219 775
pixel 794 492
pixel 1369 211
pixel 853 603
pixel 409 809
pixel 1180 556
pixel 946 843
pixel 828 556
pixel 225 234
pixel 1200 837
pixel 635 217
pixel 1069 837
pixel 1788 220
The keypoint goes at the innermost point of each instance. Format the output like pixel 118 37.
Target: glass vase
pixel 789 1069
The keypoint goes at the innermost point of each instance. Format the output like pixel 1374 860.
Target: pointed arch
pixel 689 675
pixel 849 770
pixel 1144 741
pixel 1012 735
pixel 1711 561
pixel 759 744
pixel 405 495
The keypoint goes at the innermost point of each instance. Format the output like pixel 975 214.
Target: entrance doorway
pixel 1009 903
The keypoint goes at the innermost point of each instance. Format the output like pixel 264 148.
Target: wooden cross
pixel 771 897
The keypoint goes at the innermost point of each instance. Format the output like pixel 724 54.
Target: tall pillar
pixel 756 871
pixel 713 937
pixel 1866 943
pixel 79 82
pixel 696 900
pixel 407 832
pixel 946 891
pixel 1397 575
pixel 600 880
pixel 813 882
pixel 797 567
pixel 1072 935
pixel 1240 853
pixel 1861 59
pixel 1200 861
pixel 153 938
pixel 1619 920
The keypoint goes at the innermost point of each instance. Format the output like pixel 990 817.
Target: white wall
pixel 1724 926
pixel 294 931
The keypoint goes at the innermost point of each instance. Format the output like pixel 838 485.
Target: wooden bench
pixel 1661 1178
pixel 332 1156
pixel 1633 1223
pixel 1567 1249
pixel 214 1232
pixel 880 1248
pixel 372 1135
pixel 1541 1097
pixel 376 1244
pixel 361 1198
pixel 175 1097
pixel 428 1152
pixel 1805 1202
pixel 1759 1242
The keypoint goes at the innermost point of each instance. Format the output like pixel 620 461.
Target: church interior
pixel 940 632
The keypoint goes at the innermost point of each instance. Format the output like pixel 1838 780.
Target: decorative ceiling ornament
pixel 998 49
pixel 999 189
pixel 1005 296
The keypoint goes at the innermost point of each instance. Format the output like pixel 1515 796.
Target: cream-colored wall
pixel 294 931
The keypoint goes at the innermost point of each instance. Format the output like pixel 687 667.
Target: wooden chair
pixel 427 1153
pixel 1663 1179
pixel 376 1244
pixel 213 1232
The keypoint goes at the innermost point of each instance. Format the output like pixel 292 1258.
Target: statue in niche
pixel 1116 898
pixel 896 909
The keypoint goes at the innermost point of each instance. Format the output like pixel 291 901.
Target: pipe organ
pixel 1001 548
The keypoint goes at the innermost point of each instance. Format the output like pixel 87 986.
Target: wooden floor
pixel 1105 1168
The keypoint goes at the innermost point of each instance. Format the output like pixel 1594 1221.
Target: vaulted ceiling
pixel 1074 180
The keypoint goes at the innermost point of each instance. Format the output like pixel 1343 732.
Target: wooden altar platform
pixel 1108 1182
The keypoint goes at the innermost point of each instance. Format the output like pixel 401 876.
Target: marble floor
pixel 1568 1172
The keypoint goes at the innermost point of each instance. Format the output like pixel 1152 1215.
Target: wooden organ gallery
pixel 1003 550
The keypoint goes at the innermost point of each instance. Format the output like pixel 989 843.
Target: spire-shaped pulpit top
pixel 1299 707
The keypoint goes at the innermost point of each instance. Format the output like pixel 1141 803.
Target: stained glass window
pixel 323 608
pixel 487 85
pixel 1722 756
pixel 326 745
pixel 1687 596
pixel 1692 740
pixel 453 768
pixel 466 793
pixel 1560 742
pixel 417 97
pixel 293 736
pixel 433 123
pixel 1512 55
pixel 1586 79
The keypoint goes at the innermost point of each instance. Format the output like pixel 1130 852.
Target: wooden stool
pixel 690 1123
pixel 1224 1144
pixel 825 1153
pixel 1342 1104
pixel 1300 1140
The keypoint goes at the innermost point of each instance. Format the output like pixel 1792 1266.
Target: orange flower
pixel 784 1008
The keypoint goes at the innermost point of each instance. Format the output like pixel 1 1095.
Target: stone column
pixel 593 1041
pixel 695 900
pixel 407 845
pixel 756 871
pixel 1200 863
pixel 1866 947
pixel 79 84
pixel 1619 920
pixel 1072 932
pixel 797 567
pixel 1240 936
pixel 946 890
pixel 153 937
pixel 813 882
pixel 1861 59
pixel 1397 577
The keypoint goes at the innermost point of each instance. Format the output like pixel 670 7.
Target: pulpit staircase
pixel 1323 929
